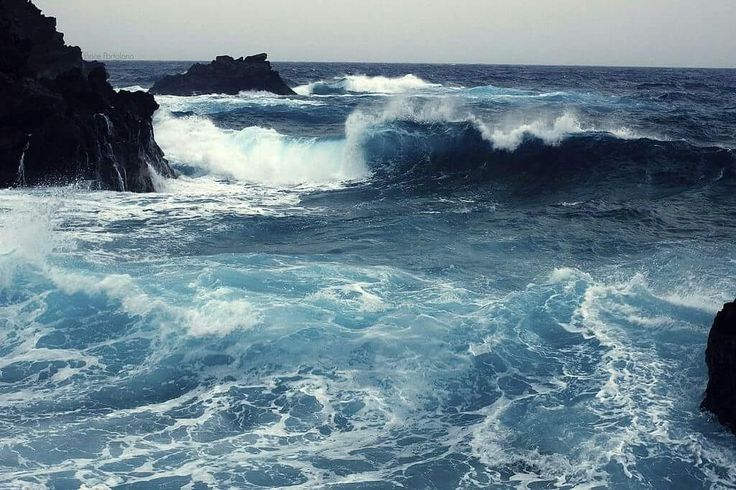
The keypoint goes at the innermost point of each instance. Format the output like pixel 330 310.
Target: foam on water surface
pixel 281 316
pixel 357 84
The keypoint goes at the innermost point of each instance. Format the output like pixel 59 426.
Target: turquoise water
pixel 407 276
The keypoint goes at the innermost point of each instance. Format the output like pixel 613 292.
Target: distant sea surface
pixel 405 276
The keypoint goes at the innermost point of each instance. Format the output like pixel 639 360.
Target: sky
pixel 565 32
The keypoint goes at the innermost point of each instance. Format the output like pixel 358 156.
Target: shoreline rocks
pixel 61 122
pixel 720 396
pixel 225 75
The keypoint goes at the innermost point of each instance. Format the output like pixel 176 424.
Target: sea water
pixel 404 276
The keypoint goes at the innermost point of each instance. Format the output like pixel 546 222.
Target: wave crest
pixel 255 154
pixel 365 84
pixel 419 141
pixel 437 142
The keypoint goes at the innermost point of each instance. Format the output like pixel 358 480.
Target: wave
pixel 430 141
pixel 25 238
pixel 416 142
pixel 492 91
pixel 365 84
pixel 254 154
pixel 220 103
pixel 443 155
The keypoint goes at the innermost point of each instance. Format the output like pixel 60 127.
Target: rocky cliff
pixel 225 75
pixel 60 120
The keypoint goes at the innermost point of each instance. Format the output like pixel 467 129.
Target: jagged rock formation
pixel 720 396
pixel 225 75
pixel 60 120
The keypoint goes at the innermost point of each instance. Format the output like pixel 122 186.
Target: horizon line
pixel 551 65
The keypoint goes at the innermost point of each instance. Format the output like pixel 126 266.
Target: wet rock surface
pixel 61 122
pixel 720 396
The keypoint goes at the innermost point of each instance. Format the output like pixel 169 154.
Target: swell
pixel 431 146
pixel 436 143
pixel 464 153
pixel 413 142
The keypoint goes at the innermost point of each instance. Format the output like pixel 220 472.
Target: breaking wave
pixel 365 84
pixel 255 154
pixel 406 140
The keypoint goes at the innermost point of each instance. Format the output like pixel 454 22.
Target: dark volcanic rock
pixel 60 120
pixel 720 397
pixel 225 75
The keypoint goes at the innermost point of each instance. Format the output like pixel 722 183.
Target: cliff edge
pixel 60 120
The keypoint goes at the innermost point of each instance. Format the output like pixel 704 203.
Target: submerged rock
pixel 720 396
pixel 60 119
pixel 225 75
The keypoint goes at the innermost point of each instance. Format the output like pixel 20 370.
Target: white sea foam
pixel 133 88
pixel 27 236
pixel 368 84
pixel 215 312
pixel 355 295
pixel 257 154
pixel 28 239
pixel 359 83
pixel 216 103
pixel 402 108
pixel 551 132
pixel 502 135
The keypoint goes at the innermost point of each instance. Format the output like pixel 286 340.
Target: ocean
pixel 405 276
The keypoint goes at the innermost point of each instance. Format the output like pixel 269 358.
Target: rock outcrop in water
pixel 60 119
pixel 720 396
pixel 225 75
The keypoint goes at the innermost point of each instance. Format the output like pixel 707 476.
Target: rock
pixel 256 58
pixel 720 396
pixel 60 120
pixel 225 75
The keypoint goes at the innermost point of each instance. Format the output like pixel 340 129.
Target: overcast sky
pixel 589 32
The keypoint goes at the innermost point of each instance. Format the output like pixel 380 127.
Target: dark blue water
pixel 407 276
